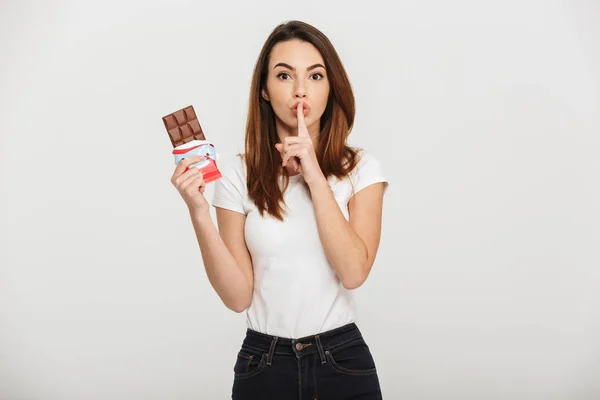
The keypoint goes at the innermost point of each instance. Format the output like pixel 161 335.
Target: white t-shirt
pixel 296 291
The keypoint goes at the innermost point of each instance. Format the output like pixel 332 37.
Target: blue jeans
pixel 336 364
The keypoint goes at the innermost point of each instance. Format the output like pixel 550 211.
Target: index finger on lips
pixel 302 129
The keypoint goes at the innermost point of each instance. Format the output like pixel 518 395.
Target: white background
pixel 485 116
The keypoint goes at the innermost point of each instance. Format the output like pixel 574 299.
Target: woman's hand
pixel 190 184
pixel 300 153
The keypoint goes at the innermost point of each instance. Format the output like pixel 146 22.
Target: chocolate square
pixel 183 126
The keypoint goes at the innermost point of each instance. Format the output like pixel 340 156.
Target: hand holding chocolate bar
pixel 188 139
pixel 195 157
pixel 200 148
pixel 190 184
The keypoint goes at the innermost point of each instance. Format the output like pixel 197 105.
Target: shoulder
pixel 368 170
pixel 233 174
pixel 235 162
pixel 234 168
pixel 365 160
pixel 230 189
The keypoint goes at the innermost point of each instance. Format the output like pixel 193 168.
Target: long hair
pixel 335 157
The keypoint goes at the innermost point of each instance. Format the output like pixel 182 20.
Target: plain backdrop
pixel 486 119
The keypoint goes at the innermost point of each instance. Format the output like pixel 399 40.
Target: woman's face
pixel 296 73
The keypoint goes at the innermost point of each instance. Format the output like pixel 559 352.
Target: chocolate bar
pixel 188 140
pixel 183 126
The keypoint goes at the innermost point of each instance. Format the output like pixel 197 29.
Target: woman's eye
pixel 285 73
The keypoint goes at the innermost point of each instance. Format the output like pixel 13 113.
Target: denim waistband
pixel 274 345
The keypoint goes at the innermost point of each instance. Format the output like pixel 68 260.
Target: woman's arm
pixel 226 259
pixel 350 246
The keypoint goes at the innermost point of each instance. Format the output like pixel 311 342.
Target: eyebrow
pixel 281 64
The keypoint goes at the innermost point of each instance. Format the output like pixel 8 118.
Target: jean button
pixel 298 346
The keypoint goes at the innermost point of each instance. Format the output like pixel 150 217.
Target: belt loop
pixel 271 350
pixel 320 347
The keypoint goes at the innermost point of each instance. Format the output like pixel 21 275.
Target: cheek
pixel 279 99
pixel 323 95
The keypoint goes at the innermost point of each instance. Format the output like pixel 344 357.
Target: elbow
pixel 237 300
pixel 240 305
pixel 238 309
pixel 354 282
pixel 358 277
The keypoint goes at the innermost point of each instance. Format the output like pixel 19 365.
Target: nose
pixel 299 91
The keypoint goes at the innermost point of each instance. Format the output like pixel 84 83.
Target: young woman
pixel 299 217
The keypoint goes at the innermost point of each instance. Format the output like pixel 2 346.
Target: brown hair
pixel 335 157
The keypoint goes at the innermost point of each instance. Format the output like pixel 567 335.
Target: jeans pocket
pixel 249 363
pixel 353 358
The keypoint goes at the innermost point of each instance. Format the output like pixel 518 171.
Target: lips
pixel 305 105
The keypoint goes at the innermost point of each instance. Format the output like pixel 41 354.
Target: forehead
pixel 297 53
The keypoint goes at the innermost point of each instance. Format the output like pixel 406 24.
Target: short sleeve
pixel 230 189
pixel 367 172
